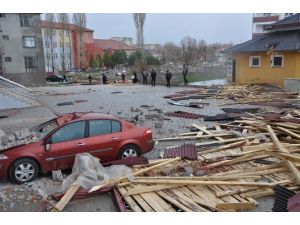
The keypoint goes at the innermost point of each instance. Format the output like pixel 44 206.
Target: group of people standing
pixel 153 75
pixel 145 74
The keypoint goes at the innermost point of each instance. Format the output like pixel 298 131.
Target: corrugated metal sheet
pixel 185 115
pixel 186 151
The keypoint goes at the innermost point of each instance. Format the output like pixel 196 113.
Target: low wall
pixel 292 84
pixel 28 79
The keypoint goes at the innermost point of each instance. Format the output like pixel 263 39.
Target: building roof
pixel 284 35
pixel 56 25
pixel 108 44
pixel 280 41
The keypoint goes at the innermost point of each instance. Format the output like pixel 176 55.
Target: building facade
pixel 109 45
pixel 269 58
pixel 67 46
pixel 261 20
pixel 21 48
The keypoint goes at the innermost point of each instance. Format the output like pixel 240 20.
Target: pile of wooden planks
pixel 258 95
pixel 231 172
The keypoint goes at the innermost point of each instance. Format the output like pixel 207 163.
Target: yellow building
pixel 270 58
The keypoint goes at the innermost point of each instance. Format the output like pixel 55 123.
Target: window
pixel 47 44
pixel 54 44
pixel 28 42
pixel 277 61
pixel 48 55
pixel 98 127
pixel 5 37
pixel 55 55
pixel 61 32
pixel 26 21
pixel 116 126
pixel 68 33
pixel 69 132
pixel 30 63
pixel 61 44
pixel 7 59
pixel 254 61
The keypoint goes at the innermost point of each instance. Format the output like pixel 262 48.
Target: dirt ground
pixel 122 101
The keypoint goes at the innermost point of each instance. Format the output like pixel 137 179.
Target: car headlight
pixel 2 157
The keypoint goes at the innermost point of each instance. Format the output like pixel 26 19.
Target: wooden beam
pixel 200 182
pixel 139 172
pixel 129 200
pixel 193 137
pixel 207 178
pixel 66 198
pixel 280 147
pixel 159 187
pixel 225 141
pixel 235 144
pixel 207 132
pixel 289 132
pixel 236 206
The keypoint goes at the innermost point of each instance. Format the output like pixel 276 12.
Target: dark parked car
pixel 60 139
pixel 52 77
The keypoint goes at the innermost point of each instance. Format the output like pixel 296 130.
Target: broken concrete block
pixel 2 133
pixel 147 117
pixel 57 175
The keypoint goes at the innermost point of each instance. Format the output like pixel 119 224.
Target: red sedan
pixel 60 139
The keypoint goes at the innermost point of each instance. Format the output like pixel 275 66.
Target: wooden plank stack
pixel 231 171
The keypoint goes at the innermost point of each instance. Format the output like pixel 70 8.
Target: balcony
pixel 263 19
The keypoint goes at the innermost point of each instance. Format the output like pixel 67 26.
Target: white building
pixel 260 20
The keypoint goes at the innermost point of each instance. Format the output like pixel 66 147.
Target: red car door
pixel 104 136
pixel 65 144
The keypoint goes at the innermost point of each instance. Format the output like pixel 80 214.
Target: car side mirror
pixel 47 147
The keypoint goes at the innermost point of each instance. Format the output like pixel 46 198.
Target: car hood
pixel 22 147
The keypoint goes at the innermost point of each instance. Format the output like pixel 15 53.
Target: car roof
pixel 65 118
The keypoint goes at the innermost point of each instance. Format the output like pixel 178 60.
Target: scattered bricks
pixel 11 137
pixel 158 125
pixel 147 117
pixel 57 175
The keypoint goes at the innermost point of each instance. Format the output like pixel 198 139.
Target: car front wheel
pixel 23 170
pixel 129 151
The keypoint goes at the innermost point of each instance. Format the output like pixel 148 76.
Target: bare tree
pixel 63 19
pixel 79 19
pixel 171 52
pixel 50 36
pixel 139 20
pixel 189 49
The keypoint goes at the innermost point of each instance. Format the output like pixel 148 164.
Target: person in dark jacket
pixel 145 77
pixel 168 78
pixel 185 71
pixel 104 78
pixel 153 77
pixel 134 77
pixel 123 76
pixel 90 79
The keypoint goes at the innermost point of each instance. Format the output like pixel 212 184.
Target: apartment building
pixel 21 48
pixel 261 20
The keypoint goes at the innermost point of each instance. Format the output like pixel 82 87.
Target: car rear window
pixel 98 127
pixel 69 132
pixel 116 126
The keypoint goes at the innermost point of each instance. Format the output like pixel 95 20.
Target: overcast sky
pixel 161 28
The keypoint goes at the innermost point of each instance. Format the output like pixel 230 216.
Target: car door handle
pixel 80 144
pixel 114 139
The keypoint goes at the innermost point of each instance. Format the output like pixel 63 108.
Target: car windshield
pixel 45 128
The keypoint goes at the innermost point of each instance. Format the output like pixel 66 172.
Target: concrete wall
pixel 15 70
pixel 292 84
pixel 266 73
